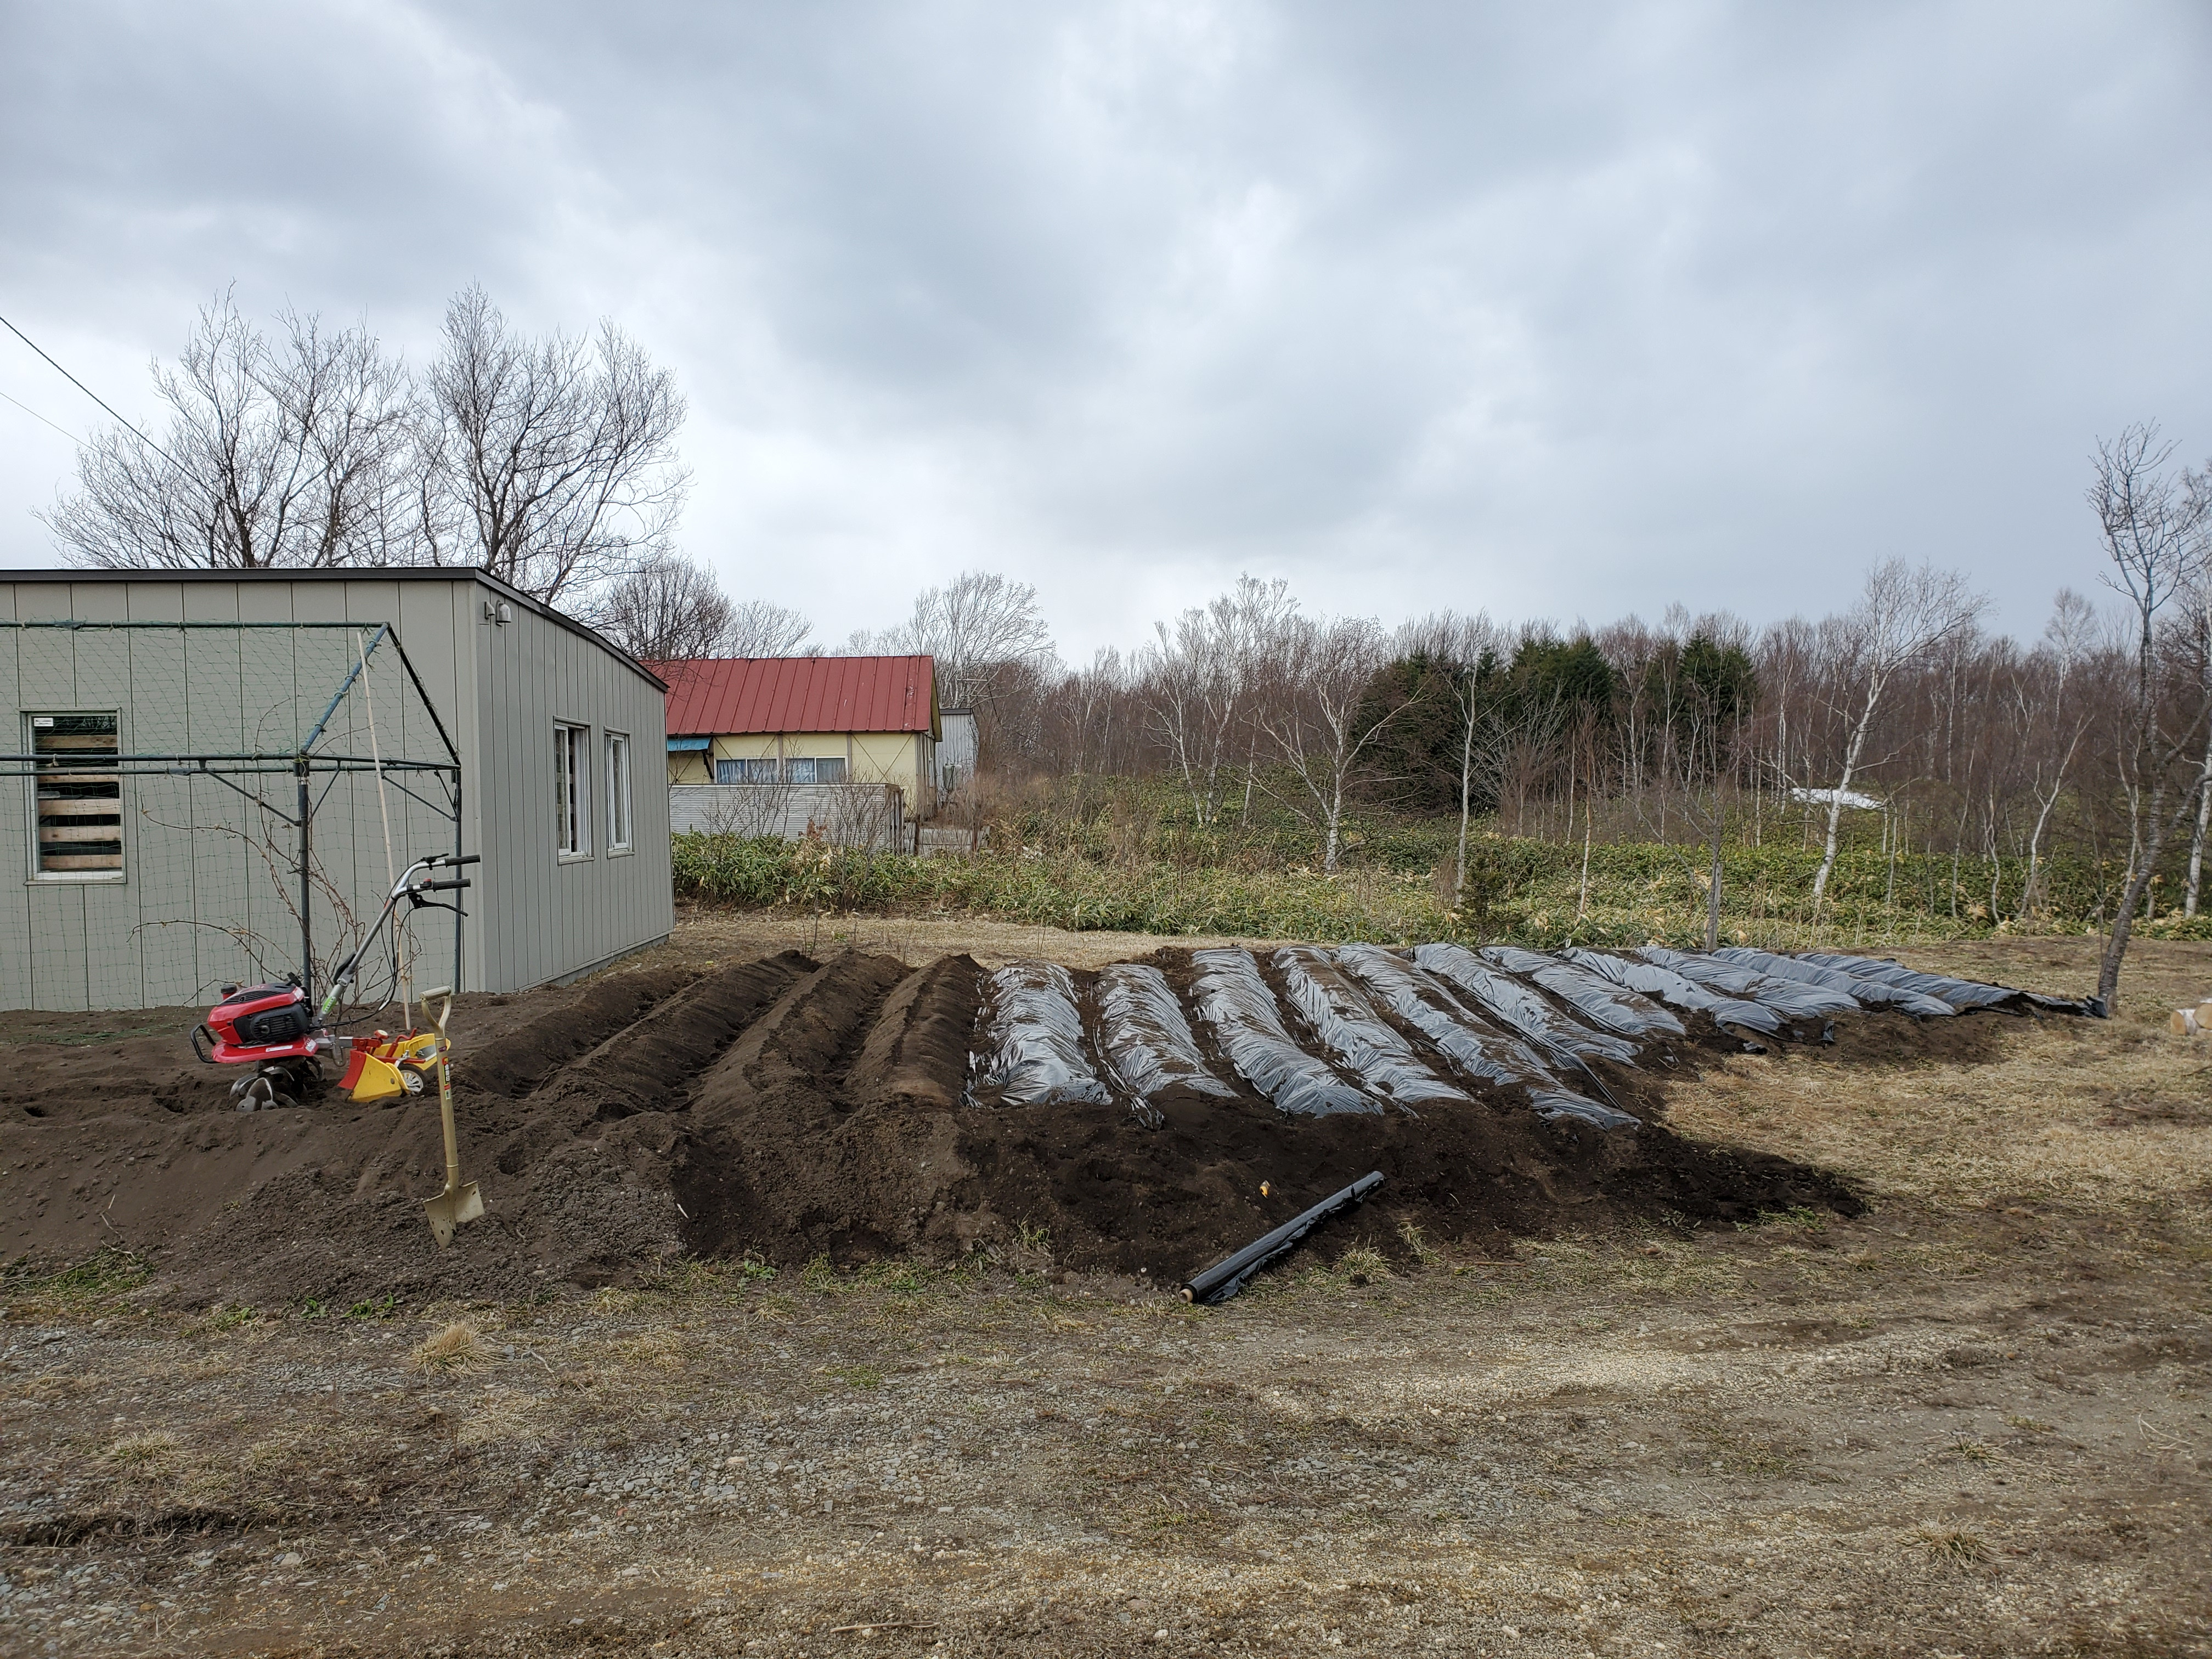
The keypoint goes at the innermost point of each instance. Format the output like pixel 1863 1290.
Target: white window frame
pixel 31 717
pixel 572 791
pixel 620 831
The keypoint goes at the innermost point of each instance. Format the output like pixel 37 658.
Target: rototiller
pixel 271 1027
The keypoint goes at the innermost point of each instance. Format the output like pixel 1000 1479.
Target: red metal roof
pixel 710 696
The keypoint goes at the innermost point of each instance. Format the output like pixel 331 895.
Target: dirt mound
pixel 790 1163
pixel 794 1108
pixel 135 1144
pixel 517 1061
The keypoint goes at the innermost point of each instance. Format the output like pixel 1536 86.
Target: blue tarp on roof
pixel 688 745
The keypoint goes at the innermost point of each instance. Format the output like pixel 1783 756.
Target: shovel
pixel 461 1202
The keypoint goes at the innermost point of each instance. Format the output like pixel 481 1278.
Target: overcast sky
pixel 1555 311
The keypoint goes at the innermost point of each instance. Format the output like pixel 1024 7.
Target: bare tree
pixel 757 628
pixel 2197 490
pixel 2153 528
pixel 668 609
pixel 1904 615
pixel 2070 640
pixel 551 463
pixel 1320 722
pixel 1201 676
pixel 1458 646
pixel 294 454
pixel 983 633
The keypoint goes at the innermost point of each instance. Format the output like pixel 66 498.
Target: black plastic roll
pixel 1230 1275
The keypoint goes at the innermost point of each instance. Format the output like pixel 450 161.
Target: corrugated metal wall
pixel 546 918
pixel 192 868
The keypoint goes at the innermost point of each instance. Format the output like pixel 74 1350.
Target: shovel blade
pixel 451 1209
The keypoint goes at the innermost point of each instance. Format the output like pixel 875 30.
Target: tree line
pixel 551 463
pixel 1902 715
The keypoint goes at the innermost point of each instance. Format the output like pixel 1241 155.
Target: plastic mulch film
pixel 1599 1001
pixel 1146 1039
pixel 1034 1036
pixel 1480 1049
pixel 1563 1041
pixel 1871 991
pixel 1792 998
pixel 1230 997
pixel 1348 1021
pixel 1669 987
pixel 1962 994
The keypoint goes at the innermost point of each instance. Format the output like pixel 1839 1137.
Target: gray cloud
pixel 1560 311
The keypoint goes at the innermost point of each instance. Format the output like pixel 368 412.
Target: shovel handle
pixel 442 995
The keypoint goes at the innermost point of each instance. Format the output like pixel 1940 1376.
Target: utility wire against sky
pixel 90 393
pixel 35 416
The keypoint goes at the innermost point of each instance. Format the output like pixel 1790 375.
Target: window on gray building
pixel 618 792
pixel 77 796
pixel 572 788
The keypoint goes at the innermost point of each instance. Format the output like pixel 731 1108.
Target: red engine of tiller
pixel 268 1021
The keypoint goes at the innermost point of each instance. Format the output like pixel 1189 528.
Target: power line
pixel 35 416
pixel 94 395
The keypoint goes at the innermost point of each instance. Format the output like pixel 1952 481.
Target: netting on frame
pixel 205 803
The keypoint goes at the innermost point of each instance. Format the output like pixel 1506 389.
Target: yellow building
pixel 805 720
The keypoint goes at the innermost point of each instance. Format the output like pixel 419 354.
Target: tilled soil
pixel 1969 1419
pixel 786 1108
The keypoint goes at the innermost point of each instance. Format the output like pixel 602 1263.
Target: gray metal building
pixel 170 732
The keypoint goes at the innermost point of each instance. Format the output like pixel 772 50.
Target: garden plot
pixel 1145 1116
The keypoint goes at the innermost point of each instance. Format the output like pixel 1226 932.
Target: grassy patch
pixel 1952 1548
pixel 456 1349
pixel 658 1351
pixel 101 1277
pixel 144 1456
pixel 1127 855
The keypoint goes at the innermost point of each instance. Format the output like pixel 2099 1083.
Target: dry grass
pixel 456 1348
pixel 659 1351
pixel 1954 1548
pixel 146 1455
pixel 501 1415
pixel 2035 1123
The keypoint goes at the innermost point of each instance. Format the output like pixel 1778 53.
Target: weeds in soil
pixel 1798 1218
pixel 100 1277
pixel 659 1351
pixel 1417 1244
pixel 859 1376
pixel 1363 1264
pixel 1973 1451
pixel 1952 1548
pixel 224 1316
pixel 453 1350
pixel 144 1457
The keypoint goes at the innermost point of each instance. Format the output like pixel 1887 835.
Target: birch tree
pixel 1321 725
pixel 1202 678
pixel 2152 526
pixel 1904 615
